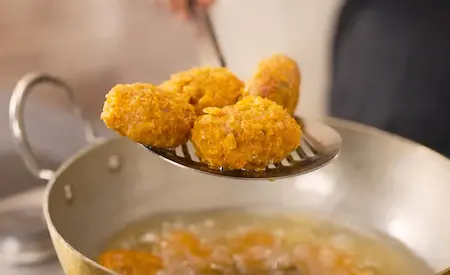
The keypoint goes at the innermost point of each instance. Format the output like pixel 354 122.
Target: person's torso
pixel 392 68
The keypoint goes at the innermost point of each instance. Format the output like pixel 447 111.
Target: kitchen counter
pixel 51 268
pixel 30 198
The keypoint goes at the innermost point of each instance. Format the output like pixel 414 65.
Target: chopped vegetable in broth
pixel 245 242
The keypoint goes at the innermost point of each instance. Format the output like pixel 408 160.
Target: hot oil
pixel 250 242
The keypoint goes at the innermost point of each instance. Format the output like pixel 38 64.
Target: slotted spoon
pixel 320 143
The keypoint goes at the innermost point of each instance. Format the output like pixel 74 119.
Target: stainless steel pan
pixel 379 180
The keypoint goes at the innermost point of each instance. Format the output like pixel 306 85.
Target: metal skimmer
pixel 320 144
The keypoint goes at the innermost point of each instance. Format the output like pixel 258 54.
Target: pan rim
pixel 358 127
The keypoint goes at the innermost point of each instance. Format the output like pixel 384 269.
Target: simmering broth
pixel 250 242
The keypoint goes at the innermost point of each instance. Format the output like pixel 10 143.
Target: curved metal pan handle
pixel 16 120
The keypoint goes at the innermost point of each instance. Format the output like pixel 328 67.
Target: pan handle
pixel 16 120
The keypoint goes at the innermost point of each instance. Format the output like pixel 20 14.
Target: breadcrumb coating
pixel 248 135
pixel 278 79
pixel 145 114
pixel 205 87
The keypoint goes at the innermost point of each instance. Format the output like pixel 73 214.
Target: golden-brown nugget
pixel 249 135
pixel 278 79
pixel 205 87
pixel 147 115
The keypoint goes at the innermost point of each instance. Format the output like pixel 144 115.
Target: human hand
pixel 181 8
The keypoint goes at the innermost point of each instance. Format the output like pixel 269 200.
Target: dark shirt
pixel 391 68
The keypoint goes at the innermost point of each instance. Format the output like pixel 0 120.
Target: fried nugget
pixel 130 262
pixel 278 79
pixel 145 114
pixel 248 135
pixel 205 87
